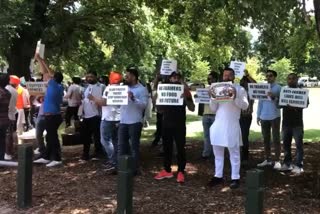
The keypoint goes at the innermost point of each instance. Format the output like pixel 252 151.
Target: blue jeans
pixel 297 134
pixel 109 139
pixel 40 127
pixel 130 133
pixel 207 121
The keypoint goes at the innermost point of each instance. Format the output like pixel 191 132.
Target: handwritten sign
pixel 36 88
pixel 40 49
pixel 259 91
pixel 295 97
pixel 238 68
pixel 117 95
pixel 170 94
pixel 168 66
pixel 202 96
pixel 221 91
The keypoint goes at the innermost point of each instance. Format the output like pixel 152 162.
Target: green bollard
pixel 125 185
pixel 255 191
pixel 24 176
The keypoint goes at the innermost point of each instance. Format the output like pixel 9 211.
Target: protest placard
pixel 238 68
pixel 168 66
pixel 202 96
pixel 295 97
pixel 170 94
pixel 221 91
pixel 117 95
pixel 259 91
pixel 40 49
pixel 36 88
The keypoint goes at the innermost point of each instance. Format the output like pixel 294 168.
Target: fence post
pixel 125 185
pixel 24 176
pixel 255 191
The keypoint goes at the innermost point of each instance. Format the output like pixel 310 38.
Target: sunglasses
pixel 269 75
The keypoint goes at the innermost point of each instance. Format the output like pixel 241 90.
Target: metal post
pixel 24 176
pixel 125 185
pixel 255 191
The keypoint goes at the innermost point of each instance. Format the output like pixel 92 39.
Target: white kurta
pixel 226 131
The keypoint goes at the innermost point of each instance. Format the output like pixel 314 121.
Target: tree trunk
pixel 317 14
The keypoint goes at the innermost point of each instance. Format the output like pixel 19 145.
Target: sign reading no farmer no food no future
pixel 170 94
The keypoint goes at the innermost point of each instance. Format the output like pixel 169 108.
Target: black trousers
pixel 53 148
pixel 3 130
pixel 175 134
pixel 90 127
pixel 71 112
pixel 245 123
pixel 158 133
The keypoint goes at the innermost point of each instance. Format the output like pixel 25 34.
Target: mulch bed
pixel 85 188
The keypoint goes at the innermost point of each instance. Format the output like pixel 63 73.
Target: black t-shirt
pixel 292 117
pixel 174 115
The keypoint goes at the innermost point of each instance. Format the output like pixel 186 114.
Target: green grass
pixel 310 135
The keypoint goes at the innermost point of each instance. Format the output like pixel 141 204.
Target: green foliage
pixel 200 72
pixel 283 67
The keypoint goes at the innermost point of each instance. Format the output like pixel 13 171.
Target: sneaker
pixel 54 163
pixel 180 177
pixel 163 174
pixel 36 151
pixel 286 167
pixel 277 165
pixel 109 168
pixel 42 160
pixel 7 157
pixel 297 170
pixel 215 181
pixel 264 163
pixel 235 184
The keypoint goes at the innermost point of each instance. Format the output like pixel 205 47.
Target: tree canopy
pixel 202 35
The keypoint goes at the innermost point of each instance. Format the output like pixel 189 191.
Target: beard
pixel 92 82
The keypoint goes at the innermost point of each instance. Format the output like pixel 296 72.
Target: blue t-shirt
pixel 53 98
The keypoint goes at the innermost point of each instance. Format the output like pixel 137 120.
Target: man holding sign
pixel 225 132
pixel 174 129
pixel 109 122
pixel 131 118
pixel 268 116
pixel 292 127
pixel 207 119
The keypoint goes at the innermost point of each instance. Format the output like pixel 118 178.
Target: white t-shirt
pixel 90 109
pixel 110 113
pixel 74 95
pixel 13 100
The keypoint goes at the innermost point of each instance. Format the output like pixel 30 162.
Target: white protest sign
pixel 170 94
pixel 238 68
pixel 117 95
pixel 259 91
pixel 222 91
pixel 40 49
pixel 36 88
pixel 295 97
pixel 168 66
pixel 202 96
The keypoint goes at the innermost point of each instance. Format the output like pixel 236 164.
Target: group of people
pixel 116 129
pixel 227 125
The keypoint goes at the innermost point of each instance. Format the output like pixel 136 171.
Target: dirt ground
pixel 85 188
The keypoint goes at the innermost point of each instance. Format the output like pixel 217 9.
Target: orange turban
pixel 115 77
pixel 14 80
